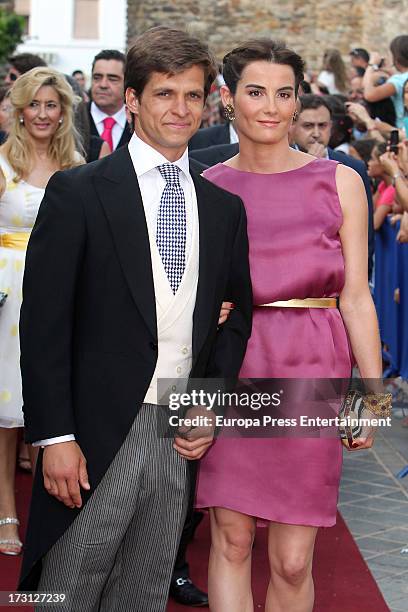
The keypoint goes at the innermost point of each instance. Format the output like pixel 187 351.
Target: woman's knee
pixel 233 539
pixel 294 569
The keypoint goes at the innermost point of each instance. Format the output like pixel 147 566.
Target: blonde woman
pixel 41 141
pixel 334 74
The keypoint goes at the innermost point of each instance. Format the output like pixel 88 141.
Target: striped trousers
pixel 118 554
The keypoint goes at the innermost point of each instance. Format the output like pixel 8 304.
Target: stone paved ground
pixel 374 503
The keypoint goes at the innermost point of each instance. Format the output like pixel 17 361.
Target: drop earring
pixel 295 116
pixel 229 112
pixel 21 120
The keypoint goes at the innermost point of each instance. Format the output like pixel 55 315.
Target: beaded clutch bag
pixel 359 414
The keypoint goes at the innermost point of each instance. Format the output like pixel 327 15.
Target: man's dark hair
pixel 360 52
pixel 399 50
pixel 75 72
pixel 169 51
pixel 109 54
pixel 23 62
pixel 258 50
pixel 312 102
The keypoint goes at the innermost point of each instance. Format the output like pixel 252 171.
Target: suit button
pixel 153 346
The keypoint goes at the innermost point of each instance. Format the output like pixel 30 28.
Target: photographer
pixel 394 85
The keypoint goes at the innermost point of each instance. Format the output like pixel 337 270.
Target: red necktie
pixel 106 135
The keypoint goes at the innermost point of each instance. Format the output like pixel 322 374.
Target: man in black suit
pixel 127 267
pixel 107 112
pixel 214 135
pixel 216 154
pixel 311 134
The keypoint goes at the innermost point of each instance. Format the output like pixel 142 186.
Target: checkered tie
pixel 171 226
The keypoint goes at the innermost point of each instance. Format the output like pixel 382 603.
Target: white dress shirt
pixel 233 134
pixel 145 160
pixel 120 117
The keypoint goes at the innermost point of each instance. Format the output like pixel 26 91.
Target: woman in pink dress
pixel 307 228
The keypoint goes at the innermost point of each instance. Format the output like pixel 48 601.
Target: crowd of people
pixel 262 127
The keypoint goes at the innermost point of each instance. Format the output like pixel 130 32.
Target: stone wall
pixel 308 27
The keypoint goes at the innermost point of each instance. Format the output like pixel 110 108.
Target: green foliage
pixel 11 33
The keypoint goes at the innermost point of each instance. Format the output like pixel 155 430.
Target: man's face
pixel 11 76
pixel 107 85
pixel 80 79
pixel 169 110
pixel 357 61
pixel 356 92
pixel 313 125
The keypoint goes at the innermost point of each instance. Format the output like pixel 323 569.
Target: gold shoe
pixel 17 543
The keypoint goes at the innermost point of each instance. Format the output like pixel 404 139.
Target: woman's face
pixel 375 169
pixel 41 117
pixel 264 102
pixel 6 114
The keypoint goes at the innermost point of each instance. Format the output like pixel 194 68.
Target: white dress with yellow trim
pixel 18 210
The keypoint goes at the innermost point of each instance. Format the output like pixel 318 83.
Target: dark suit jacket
pixel 207 137
pixel 359 167
pixel 88 322
pixel 215 154
pixel 124 139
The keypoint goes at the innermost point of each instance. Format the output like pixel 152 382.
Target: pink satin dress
pixel 294 219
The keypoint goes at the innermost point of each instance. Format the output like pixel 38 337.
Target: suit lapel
pixel 209 258
pixel 119 193
pixel 125 137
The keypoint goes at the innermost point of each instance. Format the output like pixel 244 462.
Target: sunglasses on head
pixel 13 76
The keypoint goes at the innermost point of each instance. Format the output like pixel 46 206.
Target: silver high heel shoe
pixel 17 543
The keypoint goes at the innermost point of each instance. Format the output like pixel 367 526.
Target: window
pixel 86 19
pixel 23 8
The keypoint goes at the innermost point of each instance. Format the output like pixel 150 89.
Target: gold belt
pixel 306 303
pixel 18 241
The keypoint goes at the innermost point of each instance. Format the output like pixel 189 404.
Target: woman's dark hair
pixel 364 147
pixel 256 50
pixel 380 148
pixel 342 130
pixel 399 50
pixel 169 51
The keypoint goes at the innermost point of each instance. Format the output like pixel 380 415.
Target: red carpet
pixel 342 578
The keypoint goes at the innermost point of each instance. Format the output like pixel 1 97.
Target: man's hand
pixel 64 470
pixel 194 441
pixel 317 149
pixel 226 308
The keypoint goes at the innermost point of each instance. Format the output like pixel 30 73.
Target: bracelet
pixel 378 403
pixel 395 177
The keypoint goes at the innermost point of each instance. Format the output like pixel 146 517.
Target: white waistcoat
pixel 174 318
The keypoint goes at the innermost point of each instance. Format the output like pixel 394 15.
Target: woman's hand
pixel 226 308
pixel 403 156
pixel 389 163
pixel 358 113
pixel 402 235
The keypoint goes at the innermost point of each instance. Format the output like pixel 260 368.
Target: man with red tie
pixel 107 110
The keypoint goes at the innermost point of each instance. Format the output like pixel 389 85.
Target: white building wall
pixel 52 27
